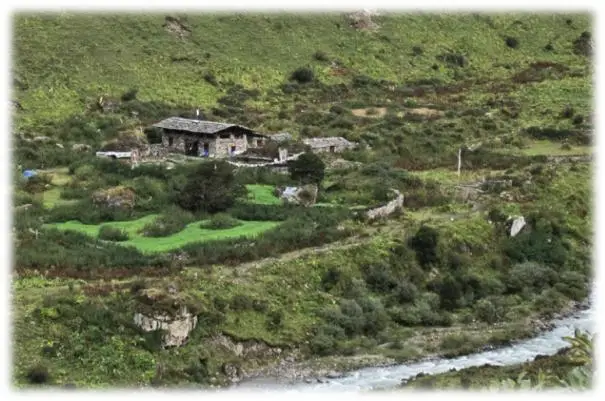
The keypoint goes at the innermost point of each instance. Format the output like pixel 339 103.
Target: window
pixel 259 142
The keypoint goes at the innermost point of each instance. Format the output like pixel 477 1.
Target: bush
pixel 406 292
pixel 129 95
pixel 241 302
pixel 321 56
pixel 275 320
pixel 171 222
pixel 38 375
pixel 303 75
pixel 322 344
pixel 511 42
pixel 109 233
pixel 210 78
pixel 454 341
pixel 221 221
pixel 485 311
pixel 424 243
pixel 417 50
pixel 330 278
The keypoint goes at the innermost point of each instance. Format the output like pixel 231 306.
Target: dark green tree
pixel 210 187
pixel 307 169
pixel 424 243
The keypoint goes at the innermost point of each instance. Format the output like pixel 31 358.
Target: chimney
pixel 197 114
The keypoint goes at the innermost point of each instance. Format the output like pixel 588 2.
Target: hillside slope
pixel 63 62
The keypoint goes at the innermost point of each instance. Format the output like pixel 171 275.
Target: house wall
pixel 337 148
pixel 219 145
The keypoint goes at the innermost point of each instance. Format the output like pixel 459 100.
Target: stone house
pixel 332 144
pixel 207 138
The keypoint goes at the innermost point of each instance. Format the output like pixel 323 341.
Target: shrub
pixel 485 311
pixel 330 278
pixel 511 42
pixel 169 223
pixel 302 75
pixel 417 50
pixel 454 341
pixel 129 95
pixel 38 375
pixel 221 221
pixel 424 243
pixel 241 302
pixel 322 344
pixel 109 233
pixel 210 78
pixel 275 320
pixel 530 275
pixel 321 56
pixel 406 292
pixel 375 317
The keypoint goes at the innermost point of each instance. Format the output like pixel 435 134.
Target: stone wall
pixel 388 209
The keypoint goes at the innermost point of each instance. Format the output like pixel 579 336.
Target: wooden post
pixel 459 160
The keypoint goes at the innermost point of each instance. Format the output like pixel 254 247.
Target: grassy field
pixel 262 194
pixel 191 234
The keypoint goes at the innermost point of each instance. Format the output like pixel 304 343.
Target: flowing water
pixel 547 343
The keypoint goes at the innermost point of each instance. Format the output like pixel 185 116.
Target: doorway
pixel 206 149
pixel 192 148
pixel 332 149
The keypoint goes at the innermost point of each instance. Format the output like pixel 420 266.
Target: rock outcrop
pixel 305 195
pixel 176 327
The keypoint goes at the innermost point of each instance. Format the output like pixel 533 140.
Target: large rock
pixel 176 327
pixel 305 195
pixel 115 197
pixel 80 147
pixel 517 226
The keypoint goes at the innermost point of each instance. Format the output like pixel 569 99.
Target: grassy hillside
pixel 193 61
pixel 320 284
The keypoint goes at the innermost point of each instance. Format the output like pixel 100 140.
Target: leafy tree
pixel 308 168
pixel 210 187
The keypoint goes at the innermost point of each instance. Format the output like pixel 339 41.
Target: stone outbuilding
pixel 207 138
pixel 332 144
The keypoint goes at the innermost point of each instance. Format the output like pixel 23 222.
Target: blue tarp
pixel 29 173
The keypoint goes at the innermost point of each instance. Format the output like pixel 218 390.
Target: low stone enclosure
pixel 387 209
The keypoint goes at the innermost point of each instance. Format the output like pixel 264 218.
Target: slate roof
pixel 198 126
pixel 327 141
pixel 281 137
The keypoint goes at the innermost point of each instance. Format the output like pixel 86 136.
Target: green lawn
pixel 191 233
pixel 262 194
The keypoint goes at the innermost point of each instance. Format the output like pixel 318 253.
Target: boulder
pixel 305 195
pixel 176 327
pixel 115 197
pixel 517 226
pixel 80 147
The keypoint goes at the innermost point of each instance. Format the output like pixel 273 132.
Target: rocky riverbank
pixel 291 368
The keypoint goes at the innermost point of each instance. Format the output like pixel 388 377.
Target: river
pixel 547 343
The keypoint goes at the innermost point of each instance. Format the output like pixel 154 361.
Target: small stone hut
pixel 332 144
pixel 207 138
